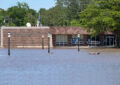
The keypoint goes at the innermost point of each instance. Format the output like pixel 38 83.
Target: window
pixel 74 40
pixel 61 40
pixel 93 40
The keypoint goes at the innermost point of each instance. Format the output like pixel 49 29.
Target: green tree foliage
pixel 1 16
pixel 63 13
pixel 53 17
pixel 3 13
pixel 60 15
pixel 101 16
pixel 30 17
pixel 18 15
pixel 44 16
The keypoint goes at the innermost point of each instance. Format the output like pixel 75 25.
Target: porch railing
pixel 93 43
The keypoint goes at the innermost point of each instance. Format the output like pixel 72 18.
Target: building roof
pixel 59 30
pixel 109 33
pixel 68 30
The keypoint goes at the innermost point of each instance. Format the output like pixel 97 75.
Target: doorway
pixel 109 40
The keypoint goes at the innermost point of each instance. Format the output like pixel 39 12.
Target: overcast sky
pixel 35 4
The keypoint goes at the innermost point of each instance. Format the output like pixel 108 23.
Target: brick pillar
pixel 53 39
pixel 85 40
pixel 102 39
pixel 69 40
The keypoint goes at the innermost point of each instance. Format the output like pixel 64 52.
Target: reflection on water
pixel 61 67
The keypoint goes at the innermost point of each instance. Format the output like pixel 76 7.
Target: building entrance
pixel 109 40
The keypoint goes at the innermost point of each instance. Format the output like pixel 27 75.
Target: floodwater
pixel 61 67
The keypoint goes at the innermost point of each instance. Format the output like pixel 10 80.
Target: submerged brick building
pixel 31 37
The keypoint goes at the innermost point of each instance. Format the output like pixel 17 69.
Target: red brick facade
pixel 25 37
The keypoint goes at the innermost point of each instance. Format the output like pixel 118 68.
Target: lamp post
pixel 78 42
pixel 9 35
pixel 48 42
pixel 43 41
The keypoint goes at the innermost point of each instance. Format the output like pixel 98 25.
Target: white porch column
pixel 51 41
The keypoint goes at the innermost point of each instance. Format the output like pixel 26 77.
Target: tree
pixel 1 16
pixel 30 17
pixel 21 14
pixel 63 13
pixel 54 16
pixel 3 20
pixel 101 16
pixel 73 8
pixel 44 17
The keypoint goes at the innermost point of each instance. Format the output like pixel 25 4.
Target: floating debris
pixel 94 53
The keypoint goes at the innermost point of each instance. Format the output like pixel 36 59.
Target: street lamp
pixel 9 35
pixel 48 42
pixel 78 42
pixel 43 41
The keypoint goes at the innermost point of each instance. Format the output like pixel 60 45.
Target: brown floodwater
pixel 60 67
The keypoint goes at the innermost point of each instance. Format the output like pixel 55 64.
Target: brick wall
pixel 27 38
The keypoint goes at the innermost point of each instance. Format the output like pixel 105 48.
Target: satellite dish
pixel 28 24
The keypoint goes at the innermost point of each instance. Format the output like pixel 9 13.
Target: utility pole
pixel 38 21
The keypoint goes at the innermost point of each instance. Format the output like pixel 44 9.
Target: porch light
pixel 43 36
pixel 78 35
pixel 9 35
pixel 48 35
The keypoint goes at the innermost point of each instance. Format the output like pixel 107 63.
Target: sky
pixel 34 4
